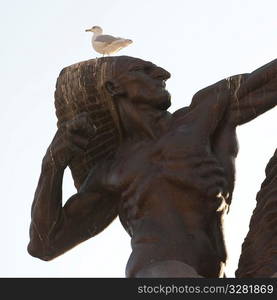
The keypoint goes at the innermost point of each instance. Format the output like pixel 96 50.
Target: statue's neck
pixel 140 122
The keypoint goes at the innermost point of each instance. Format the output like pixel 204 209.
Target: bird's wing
pixel 104 38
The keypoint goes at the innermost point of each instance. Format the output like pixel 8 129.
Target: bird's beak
pixel 88 30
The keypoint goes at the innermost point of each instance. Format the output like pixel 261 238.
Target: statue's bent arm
pixel 55 228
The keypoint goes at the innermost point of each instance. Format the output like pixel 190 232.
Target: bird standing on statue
pixel 107 44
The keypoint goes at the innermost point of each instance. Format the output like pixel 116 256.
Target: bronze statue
pixel 169 177
pixel 259 251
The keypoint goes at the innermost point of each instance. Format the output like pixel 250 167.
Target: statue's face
pixel 142 82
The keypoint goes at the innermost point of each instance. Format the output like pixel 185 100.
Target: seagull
pixel 107 44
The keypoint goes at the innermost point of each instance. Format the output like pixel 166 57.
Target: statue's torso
pixel 166 220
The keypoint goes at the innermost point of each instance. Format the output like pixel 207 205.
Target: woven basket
pixel 79 89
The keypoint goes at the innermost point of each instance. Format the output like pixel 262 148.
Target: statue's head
pixel 139 81
pixel 96 87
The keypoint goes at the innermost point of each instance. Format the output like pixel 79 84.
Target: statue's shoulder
pixel 180 112
pixel 178 117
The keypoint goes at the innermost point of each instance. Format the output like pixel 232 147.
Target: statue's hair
pixel 259 250
pixel 79 89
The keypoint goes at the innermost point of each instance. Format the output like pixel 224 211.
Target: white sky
pixel 199 42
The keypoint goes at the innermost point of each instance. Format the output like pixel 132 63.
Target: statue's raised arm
pixel 249 94
pixel 253 94
pixel 235 100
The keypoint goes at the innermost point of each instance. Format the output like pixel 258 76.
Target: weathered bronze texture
pixel 169 177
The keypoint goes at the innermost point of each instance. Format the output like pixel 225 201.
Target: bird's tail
pixel 128 42
pixel 123 42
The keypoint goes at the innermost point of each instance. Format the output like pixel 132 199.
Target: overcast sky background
pixel 199 42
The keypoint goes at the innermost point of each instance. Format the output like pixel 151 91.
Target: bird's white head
pixel 95 29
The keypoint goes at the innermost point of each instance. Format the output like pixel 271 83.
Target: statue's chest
pixel 129 165
pixel 148 159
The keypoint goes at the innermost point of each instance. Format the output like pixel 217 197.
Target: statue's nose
pixel 161 73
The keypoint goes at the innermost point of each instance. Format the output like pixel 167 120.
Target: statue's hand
pixel 70 139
